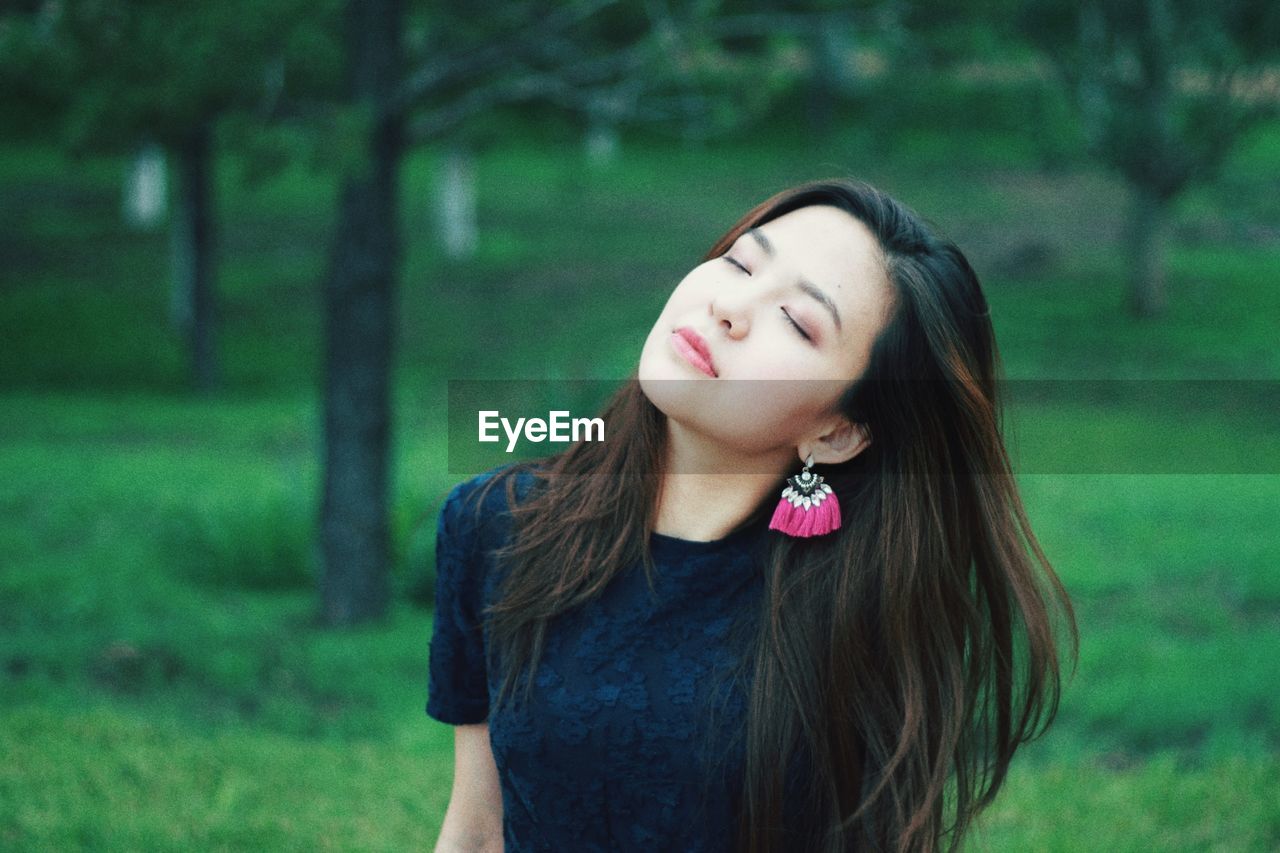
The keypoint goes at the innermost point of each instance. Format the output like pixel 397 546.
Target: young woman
pixel 792 602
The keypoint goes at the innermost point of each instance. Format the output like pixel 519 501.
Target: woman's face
pixel 754 348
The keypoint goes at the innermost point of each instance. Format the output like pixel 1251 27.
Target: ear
pixel 840 443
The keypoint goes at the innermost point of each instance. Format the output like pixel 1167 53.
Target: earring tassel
pixel 808 508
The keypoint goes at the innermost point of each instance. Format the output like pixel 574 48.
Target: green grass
pixel 1138 807
pixel 87 777
pixel 162 680
pixel 95 777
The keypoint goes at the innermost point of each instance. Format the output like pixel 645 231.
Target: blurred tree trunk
pixel 359 321
pixel 192 307
pixel 832 79
pixel 826 77
pixel 1151 188
pixel 1148 225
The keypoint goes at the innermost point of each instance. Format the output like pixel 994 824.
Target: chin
pixel 676 395
pixel 662 391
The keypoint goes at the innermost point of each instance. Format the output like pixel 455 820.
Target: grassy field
pixel 163 686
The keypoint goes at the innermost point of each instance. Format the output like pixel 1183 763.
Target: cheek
pixel 776 358
pixel 773 370
pixel 758 420
pixel 774 404
pixel 689 290
pixel 680 303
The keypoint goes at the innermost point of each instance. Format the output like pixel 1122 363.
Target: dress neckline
pixel 662 545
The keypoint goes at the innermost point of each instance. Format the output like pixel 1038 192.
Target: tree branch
pixel 492 56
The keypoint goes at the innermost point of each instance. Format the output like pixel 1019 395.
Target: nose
pixel 730 315
pixel 732 311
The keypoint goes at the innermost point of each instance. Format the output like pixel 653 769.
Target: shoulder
pixel 476 510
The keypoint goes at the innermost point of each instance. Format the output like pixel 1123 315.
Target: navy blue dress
pixel 632 737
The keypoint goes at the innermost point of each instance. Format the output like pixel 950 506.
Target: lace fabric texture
pixel 631 739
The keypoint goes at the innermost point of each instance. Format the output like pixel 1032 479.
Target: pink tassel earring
pixel 808 506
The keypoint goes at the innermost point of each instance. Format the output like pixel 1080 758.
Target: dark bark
pixel 1148 225
pixel 359 320
pixel 823 86
pixel 194 246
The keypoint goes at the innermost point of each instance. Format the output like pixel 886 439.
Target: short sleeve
pixel 458 691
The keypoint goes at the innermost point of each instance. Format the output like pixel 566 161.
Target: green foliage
pixel 105 75
pixel 256 541
pixel 34 75
pixel 1165 89
pixel 935 119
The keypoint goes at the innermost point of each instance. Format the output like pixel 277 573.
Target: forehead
pixel 825 234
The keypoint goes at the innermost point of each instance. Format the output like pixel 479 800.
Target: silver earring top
pixel 808 462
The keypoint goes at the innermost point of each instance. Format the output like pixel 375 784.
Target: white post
pixel 146 188
pixel 456 203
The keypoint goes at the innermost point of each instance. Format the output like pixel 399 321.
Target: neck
pixel 707 490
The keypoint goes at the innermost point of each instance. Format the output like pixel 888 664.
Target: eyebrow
pixel 805 285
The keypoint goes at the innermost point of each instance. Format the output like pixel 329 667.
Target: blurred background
pixel 245 245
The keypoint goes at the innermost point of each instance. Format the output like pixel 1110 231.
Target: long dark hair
pixel 907 655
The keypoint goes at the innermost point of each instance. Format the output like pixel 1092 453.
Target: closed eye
pixel 736 264
pixel 796 325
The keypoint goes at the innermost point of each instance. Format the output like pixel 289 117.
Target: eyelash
pixel 793 323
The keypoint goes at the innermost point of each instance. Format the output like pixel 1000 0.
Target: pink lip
pixel 694 348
